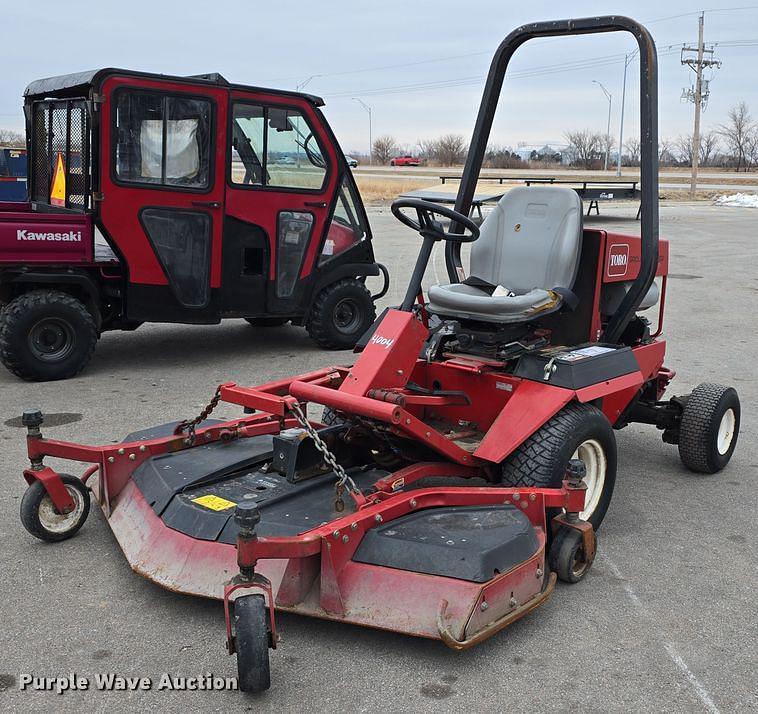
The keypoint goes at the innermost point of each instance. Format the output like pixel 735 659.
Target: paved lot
pixel 666 620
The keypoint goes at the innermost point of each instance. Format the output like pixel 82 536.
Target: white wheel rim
pixel 726 431
pixel 592 455
pixel 60 522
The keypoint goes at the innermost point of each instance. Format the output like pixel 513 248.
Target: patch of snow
pixel 744 200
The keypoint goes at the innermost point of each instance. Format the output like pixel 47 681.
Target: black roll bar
pixel 648 146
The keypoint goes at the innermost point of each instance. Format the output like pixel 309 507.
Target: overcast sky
pixel 420 65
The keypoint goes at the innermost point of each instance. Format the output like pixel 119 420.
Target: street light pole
pixel 608 128
pixel 627 61
pixel 370 138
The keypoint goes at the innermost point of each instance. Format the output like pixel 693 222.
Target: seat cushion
pixel 470 303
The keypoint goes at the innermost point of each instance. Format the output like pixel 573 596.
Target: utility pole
pixel 698 94
pixel 370 138
pixel 607 140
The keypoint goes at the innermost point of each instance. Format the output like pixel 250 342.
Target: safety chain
pixel 342 477
pixel 189 425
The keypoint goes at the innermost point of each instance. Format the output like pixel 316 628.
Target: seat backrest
pixel 531 239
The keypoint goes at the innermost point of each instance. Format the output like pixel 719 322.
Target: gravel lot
pixel 666 620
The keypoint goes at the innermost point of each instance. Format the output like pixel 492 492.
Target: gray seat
pixel 529 247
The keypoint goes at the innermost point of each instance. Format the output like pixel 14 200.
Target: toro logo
pixel 385 342
pixel 618 260
pixel 70 236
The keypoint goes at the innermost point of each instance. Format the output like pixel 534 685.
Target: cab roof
pixel 80 83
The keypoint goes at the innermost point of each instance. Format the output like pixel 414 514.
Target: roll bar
pixel 648 146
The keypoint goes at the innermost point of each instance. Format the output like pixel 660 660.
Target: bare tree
pixel 450 149
pixel 499 157
pixel 385 147
pixel 736 133
pixel 666 152
pixel 427 148
pixel 585 146
pixel 11 138
pixel 633 149
pixel 708 147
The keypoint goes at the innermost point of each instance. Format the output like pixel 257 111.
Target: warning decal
pixel 58 191
pixel 215 503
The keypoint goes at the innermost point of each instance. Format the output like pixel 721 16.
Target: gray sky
pixel 419 65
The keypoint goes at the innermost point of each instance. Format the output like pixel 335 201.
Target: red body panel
pixel 42 238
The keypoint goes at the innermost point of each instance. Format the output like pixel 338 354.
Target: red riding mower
pixel 461 465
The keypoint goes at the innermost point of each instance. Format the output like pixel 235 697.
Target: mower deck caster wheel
pixel 253 640
pixel 567 558
pixel 709 428
pixel 43 521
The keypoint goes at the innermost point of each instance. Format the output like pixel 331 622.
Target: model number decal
pixel 385 342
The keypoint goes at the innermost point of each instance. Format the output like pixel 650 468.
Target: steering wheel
pixel 428 227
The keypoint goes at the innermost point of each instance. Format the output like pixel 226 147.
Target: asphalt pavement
pixel 665 621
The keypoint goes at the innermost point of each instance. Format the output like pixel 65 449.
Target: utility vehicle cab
pixel 177 199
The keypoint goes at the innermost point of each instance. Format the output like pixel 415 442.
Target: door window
pixel 347 226
pixel 293 234
pixel 162 139
pixel 275 147
pixel 182 242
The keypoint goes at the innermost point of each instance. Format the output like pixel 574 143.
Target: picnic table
pixel 592 191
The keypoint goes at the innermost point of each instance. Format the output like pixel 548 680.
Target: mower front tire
pixel 578 431
pixel 709 428
pixel 252 640
pixel 341 313
pixel 40 517
pixel 46 335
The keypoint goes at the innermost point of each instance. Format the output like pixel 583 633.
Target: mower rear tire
pixel 46 335
pixel 566 557
pixel 341 314
pixel 267 321
pixel 709 428
pixel 578 431
pixel 43 521
pixel 252 638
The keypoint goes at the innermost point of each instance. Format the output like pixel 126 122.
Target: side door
pixel 163 193
pixel 281 180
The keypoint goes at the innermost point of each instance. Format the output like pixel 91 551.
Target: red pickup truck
pixel 406 160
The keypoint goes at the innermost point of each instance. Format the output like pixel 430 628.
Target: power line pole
pixel 370 137
pixel 699 93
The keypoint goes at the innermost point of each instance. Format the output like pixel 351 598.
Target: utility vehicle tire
pixel 40 517
pixel 340 315
pixel 46 335
pixel 709 428
pixel 267 321
pixel 566 557
pixel 251 624
pixel 578 431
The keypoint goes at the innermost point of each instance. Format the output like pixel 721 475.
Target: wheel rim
pixel 51 339
pixel 726 431
pixel 592 455
pixel 55 522
pixel 347 316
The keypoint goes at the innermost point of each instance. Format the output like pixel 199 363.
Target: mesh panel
pixel 61 129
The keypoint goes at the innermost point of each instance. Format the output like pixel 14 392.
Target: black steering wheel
pixel 426 224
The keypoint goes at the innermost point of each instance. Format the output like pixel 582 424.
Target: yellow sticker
pixel 215 503
pixel 58 191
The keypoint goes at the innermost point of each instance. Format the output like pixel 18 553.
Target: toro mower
pixel 460 466
pixel 177 199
